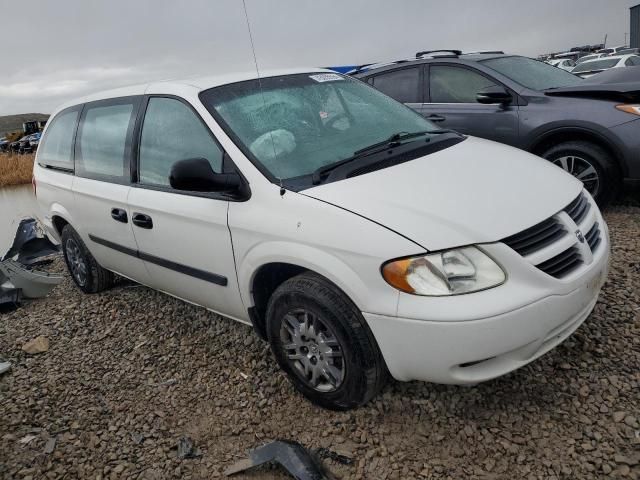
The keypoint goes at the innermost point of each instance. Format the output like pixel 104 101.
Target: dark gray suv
pixel 592 131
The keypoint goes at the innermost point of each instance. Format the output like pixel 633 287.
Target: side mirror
pixel 196 175
pixel 494 94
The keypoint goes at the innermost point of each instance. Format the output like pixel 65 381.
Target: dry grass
pixel 15 169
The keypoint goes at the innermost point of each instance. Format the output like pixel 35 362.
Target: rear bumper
pixel 472 351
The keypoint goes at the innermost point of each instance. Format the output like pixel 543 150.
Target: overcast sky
pixel 53 51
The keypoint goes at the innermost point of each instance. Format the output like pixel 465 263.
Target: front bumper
pixel 476 337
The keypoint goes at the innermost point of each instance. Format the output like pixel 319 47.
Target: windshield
pixel 293 125
pixel 596 65
pixel 531 73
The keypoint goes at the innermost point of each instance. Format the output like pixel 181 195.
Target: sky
pixel 54 51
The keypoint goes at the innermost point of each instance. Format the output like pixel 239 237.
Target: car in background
pixel 591 131
pixel 586 58
pixel 613 50
pixel 34 141
pixel 563 63
pixel 18 144
pixel 593 67
pixel 629 51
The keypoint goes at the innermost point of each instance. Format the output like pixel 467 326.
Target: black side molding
pixel 176 267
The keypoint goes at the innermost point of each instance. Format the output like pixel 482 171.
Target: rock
pixel 618 416
pixel 50 445
pixel 186 448
pixel 37 345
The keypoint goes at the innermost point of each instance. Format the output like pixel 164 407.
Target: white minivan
pixel 355 236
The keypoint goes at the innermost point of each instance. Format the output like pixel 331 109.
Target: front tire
pixel 84 269
pixel 321 340
pixel 590 164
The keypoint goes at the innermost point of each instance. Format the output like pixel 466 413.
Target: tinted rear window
pixel 402 85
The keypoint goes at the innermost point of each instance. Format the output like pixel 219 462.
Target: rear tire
pixel 84 269
pixel 325 321
pixel 590 164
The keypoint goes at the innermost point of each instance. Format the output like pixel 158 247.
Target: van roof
pixel 198 82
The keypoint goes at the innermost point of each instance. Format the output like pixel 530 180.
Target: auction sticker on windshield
pixel 325 77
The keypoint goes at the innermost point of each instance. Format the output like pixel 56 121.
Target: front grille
pixel 578 208
pixel 537 237
pixel 562 264
pixel 593 237
pixel 538 243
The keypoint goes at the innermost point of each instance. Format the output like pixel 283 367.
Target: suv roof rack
pixel 486 52
pixel 453 53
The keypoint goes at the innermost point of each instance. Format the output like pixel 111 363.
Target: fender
pixel 540 134
pixel 319 261
pixel 57 210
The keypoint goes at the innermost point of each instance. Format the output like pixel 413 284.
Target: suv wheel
pixel 85 271
pixel 321 341
pixel 590 164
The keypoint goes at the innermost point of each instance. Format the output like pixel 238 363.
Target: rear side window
pixel 104 137
pixel 172 131
pixel 455 84
pixel 403 85
pixel 56 149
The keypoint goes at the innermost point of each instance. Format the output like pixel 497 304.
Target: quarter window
pixel 403 85
pixel 102 139
pixel 455 84
pixel 173 132
pixel 57 145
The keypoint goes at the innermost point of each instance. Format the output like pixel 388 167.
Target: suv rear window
pixel 56 149
pixel 402 85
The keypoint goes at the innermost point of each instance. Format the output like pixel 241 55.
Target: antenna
pixel 255 61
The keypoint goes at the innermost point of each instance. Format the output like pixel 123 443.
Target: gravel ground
pixel 131 371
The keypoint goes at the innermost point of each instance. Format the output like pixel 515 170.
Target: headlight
pixel 452 272
pixel 633 109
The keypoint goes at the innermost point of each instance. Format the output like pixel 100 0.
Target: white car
pixel 354 235
pixel 563 63
pixel 592 67
pixel 586 58
pixel 613 50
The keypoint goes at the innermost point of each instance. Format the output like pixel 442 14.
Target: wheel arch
pixel 262 272
pixel 543 141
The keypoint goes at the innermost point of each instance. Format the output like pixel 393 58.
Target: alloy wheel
pixel 583 170
pixel 77 263
pixel 312 348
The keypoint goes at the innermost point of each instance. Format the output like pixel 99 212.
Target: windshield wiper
pixel 393 141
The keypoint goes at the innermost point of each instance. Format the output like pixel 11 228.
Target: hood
pixel 476 191
pixel 617 84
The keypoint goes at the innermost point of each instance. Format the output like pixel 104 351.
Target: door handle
pixel 436 118
pixel 119 215
pixel 141 220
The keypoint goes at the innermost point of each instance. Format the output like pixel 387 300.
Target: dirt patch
pixel 130 371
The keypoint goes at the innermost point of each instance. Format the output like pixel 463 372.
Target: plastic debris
pixel 292 456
